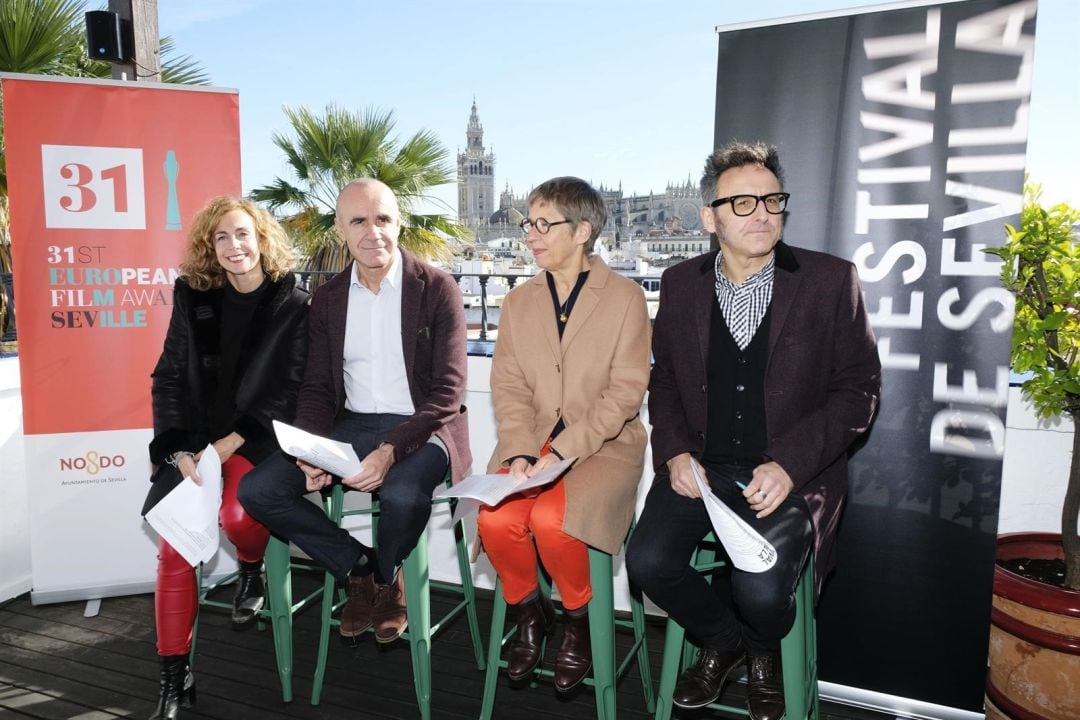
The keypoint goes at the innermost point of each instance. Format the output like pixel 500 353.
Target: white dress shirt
pixel 376 380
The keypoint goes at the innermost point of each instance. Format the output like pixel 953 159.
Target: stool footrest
pixel 798 651
pixel 418 586
pixel 602 623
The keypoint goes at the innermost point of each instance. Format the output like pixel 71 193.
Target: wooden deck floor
pixel 57 664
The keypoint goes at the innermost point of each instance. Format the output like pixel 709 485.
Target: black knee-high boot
pixel 177 687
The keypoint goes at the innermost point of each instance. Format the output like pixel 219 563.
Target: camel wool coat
pixel 594 379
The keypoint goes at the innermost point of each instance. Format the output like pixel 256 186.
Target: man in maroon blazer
pixel 385 372
pixel 765 372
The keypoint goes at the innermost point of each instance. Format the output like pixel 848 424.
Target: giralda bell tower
pixel 476 176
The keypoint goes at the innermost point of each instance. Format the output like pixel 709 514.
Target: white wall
pixel 1034 477
pixel 14 480
pixel 1035 471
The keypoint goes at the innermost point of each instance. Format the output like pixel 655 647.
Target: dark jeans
pixel 273 493
pixel 759 608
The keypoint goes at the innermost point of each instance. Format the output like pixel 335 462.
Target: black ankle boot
pixel 177 688
pixel 250 595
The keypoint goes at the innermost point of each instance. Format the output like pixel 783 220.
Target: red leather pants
pixel 176 596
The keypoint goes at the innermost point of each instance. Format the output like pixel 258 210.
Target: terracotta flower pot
pixel 1034 639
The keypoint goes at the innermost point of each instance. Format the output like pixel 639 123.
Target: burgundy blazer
pixel 433 340
pixel 822 378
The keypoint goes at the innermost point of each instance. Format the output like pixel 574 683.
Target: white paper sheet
pixel 745 546
pixel 187 518
pixel 336 458
pixel 477 490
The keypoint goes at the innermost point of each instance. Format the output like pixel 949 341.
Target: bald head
pixel 368 187
pixel 368 219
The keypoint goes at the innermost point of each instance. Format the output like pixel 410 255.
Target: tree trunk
pixel 1070 513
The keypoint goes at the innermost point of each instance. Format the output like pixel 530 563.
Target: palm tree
pixel 327 151
pixel 48 37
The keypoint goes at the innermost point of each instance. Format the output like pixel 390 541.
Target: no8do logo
pixel 93 187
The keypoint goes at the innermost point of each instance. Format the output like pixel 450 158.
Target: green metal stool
pixel 417 601
pixel 602 624
pixel 279 609
pixel 798 649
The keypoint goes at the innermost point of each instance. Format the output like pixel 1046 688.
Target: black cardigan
pixel 268 373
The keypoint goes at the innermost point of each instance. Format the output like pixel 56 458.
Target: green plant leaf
pixel 1055 320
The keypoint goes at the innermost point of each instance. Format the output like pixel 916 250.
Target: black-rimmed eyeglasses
pixel 542 225
pixel 743 205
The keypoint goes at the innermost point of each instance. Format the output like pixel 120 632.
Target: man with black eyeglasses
pixel 765 371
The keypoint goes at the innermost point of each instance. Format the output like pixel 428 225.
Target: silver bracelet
pixel 175 457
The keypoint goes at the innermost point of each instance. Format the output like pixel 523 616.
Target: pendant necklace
pixel 563 310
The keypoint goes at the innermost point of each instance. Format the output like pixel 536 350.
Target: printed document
pixel 745 546
pixel 336 458
pixel 477 490
pixel 187 518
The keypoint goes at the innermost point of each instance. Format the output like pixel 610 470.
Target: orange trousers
pixel 518 528
pixel 176 598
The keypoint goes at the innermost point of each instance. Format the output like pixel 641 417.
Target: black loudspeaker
pixel 108 37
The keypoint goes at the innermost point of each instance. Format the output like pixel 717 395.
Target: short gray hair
pixel 738 154
pixel 575 199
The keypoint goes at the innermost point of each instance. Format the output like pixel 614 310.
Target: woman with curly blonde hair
pixel 201 266
pixel 232 363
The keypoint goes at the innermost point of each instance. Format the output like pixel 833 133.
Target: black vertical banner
pixel 903 134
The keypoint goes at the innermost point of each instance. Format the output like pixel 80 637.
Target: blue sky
pixel 608 90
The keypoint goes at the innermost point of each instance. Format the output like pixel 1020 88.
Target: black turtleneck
pixel 237 309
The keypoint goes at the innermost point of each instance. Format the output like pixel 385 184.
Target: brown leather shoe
pixel 388 610
pixel 575 654
pixel 765 686
pixel 701 683
pixel 535 618
pixel 356 615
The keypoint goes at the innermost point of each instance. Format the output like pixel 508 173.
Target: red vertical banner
pixel 103 178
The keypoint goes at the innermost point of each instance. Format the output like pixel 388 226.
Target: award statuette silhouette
pixel 172 210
